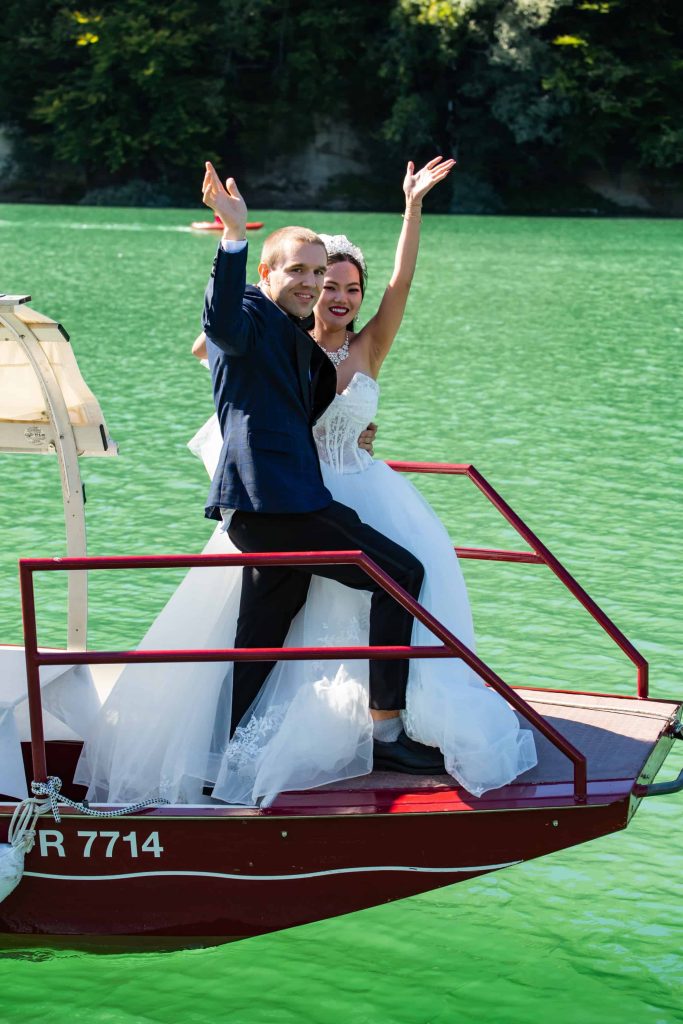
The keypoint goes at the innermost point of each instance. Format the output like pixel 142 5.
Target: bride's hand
pixel 416 186
pixel 367 437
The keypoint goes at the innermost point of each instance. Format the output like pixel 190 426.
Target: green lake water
pixel 547 353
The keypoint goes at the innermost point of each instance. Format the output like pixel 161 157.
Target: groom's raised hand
pixel 226 202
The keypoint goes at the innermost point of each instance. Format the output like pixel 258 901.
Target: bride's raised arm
pixel 381 330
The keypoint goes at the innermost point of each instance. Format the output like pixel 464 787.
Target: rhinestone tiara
pixel 340 245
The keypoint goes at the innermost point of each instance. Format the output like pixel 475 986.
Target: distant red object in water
pixel 217 225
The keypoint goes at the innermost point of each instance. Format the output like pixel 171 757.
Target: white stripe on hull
pixel 273 878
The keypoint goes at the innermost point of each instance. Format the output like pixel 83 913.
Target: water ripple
pixel 545 352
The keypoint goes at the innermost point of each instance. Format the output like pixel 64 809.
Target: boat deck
pixel 622 738
pixel 617 735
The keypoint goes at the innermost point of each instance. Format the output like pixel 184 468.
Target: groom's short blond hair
pixel 274 248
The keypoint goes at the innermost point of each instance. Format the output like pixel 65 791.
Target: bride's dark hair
pixel 345 257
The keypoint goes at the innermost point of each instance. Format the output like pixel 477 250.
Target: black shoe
pixel 406 755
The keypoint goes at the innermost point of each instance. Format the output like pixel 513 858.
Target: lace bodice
pixel 336 432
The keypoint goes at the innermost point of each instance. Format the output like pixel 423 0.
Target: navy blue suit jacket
pixel 270 382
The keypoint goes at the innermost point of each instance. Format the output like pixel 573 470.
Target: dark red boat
pixel 222 872
pixel 215 872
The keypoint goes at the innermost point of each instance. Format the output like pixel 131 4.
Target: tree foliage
pixel 619 65
pixel 116 91
pixel 522 91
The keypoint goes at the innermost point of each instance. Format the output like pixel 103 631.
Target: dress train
pixel 163 731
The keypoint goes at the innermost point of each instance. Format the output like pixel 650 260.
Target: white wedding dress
pixel 162 732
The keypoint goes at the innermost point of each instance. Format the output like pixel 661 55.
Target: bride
pixel 164 730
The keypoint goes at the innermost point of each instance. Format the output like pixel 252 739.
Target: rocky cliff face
pixel 316 176
pixel 5 153
pixel 633 191
pixel 333 172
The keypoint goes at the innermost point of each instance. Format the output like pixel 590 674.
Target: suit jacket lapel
pixel 304 348
pixel 317 375
pixel 324 383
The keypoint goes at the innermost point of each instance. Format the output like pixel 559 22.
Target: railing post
pixel 35 704
pixel 643 679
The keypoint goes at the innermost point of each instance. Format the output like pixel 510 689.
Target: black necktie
pixel 306 323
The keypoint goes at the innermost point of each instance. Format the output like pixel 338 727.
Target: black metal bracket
pixel 676 785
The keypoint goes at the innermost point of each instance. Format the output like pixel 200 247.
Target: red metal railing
pixel 450 645
pixel 540 555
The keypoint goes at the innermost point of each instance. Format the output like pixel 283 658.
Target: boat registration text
pixel 88 843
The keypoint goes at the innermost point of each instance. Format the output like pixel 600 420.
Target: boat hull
pixel 215 872
pixel 234 877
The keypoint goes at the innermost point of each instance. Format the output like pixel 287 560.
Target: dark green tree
pixel 537 92
pixel 619 65
pixel 529 95
pixel 291 66
pixel 114 91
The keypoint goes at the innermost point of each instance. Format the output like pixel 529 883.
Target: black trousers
pixel 272 596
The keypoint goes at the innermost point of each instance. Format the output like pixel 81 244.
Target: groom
pixel 271 383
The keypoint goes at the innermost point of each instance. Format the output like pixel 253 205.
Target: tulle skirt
pixel 311 724
pixel 163 731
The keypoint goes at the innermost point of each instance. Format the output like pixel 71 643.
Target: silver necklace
pixel 340 354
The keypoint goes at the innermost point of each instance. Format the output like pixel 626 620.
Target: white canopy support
pixel 47 408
